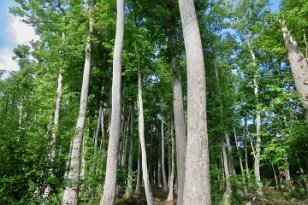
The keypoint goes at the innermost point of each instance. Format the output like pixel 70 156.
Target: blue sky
pixel 15 32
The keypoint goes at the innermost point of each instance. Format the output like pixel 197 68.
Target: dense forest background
pixel 58 112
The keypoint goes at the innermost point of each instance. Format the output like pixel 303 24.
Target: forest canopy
pixel 157 102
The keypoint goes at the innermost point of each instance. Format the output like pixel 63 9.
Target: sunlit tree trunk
pixel 108 197
pixel 299 65
pixel 258 126
pixel 70 196
pixel 197 168
pixel 55 127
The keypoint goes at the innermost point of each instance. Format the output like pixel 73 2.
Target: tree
pixel 111 168
pixel 71 190
pixel 197 171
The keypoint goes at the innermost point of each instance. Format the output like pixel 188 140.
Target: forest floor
pixel 158 195
pixel 272 197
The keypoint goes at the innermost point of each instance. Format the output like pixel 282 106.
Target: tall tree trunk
pixel 179 122
pixel 197 168
pixel 163 170
pixel 102 144
pixel 240 161
pixel 299 65
pixel 125 143
pixel 147 186
pixel 138 182
pixel 70 196
pixel 228 189
pixel 246 151
pixel 258 126
pixel 275 176
pixel 55 127
pixel 159 178
pixel 129 189
pixel 171 180
pixel 115 126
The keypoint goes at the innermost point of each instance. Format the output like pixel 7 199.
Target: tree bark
pixel 147 186
pixel 179 122
pixel 163 170
pixel 197 170
pixel 228 189
pixel 299 66
pixel 70 196
pixel 240 161
pixel 115 126
pixel 55 127
pixel 138 182
pixel 258 127
pixel 129 189
pixel 171 180
pixel 159 178
pixel 275 176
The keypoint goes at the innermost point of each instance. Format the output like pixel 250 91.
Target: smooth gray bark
pixel 138 182
pixel 179 122
pixel 147 186
pixel 159 178
pixel 258 127
pixel 299 65
pixel 129 189
pixel 163 170
pixel 228 189
pixel 108 197
pixel 70 196
pixel 171 180
pixel 197 168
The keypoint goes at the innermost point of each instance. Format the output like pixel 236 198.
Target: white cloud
pixel 18 33
pixel 6 61
pixel 21 31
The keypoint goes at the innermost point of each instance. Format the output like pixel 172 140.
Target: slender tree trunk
pixel 129 189
pixel 147 186
pixel 275 176
pixel 71 190
pixel 241 162
pixel 125 144
pixel 111 168
pixel 159 178
pixel 171 180
pixel 179 122
pixel 138 182
pixel 258 126
pixel 55 127
pixel 102 144
pixel 197 168
pixel 228 189
pixel 299 65
pixel 165 186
